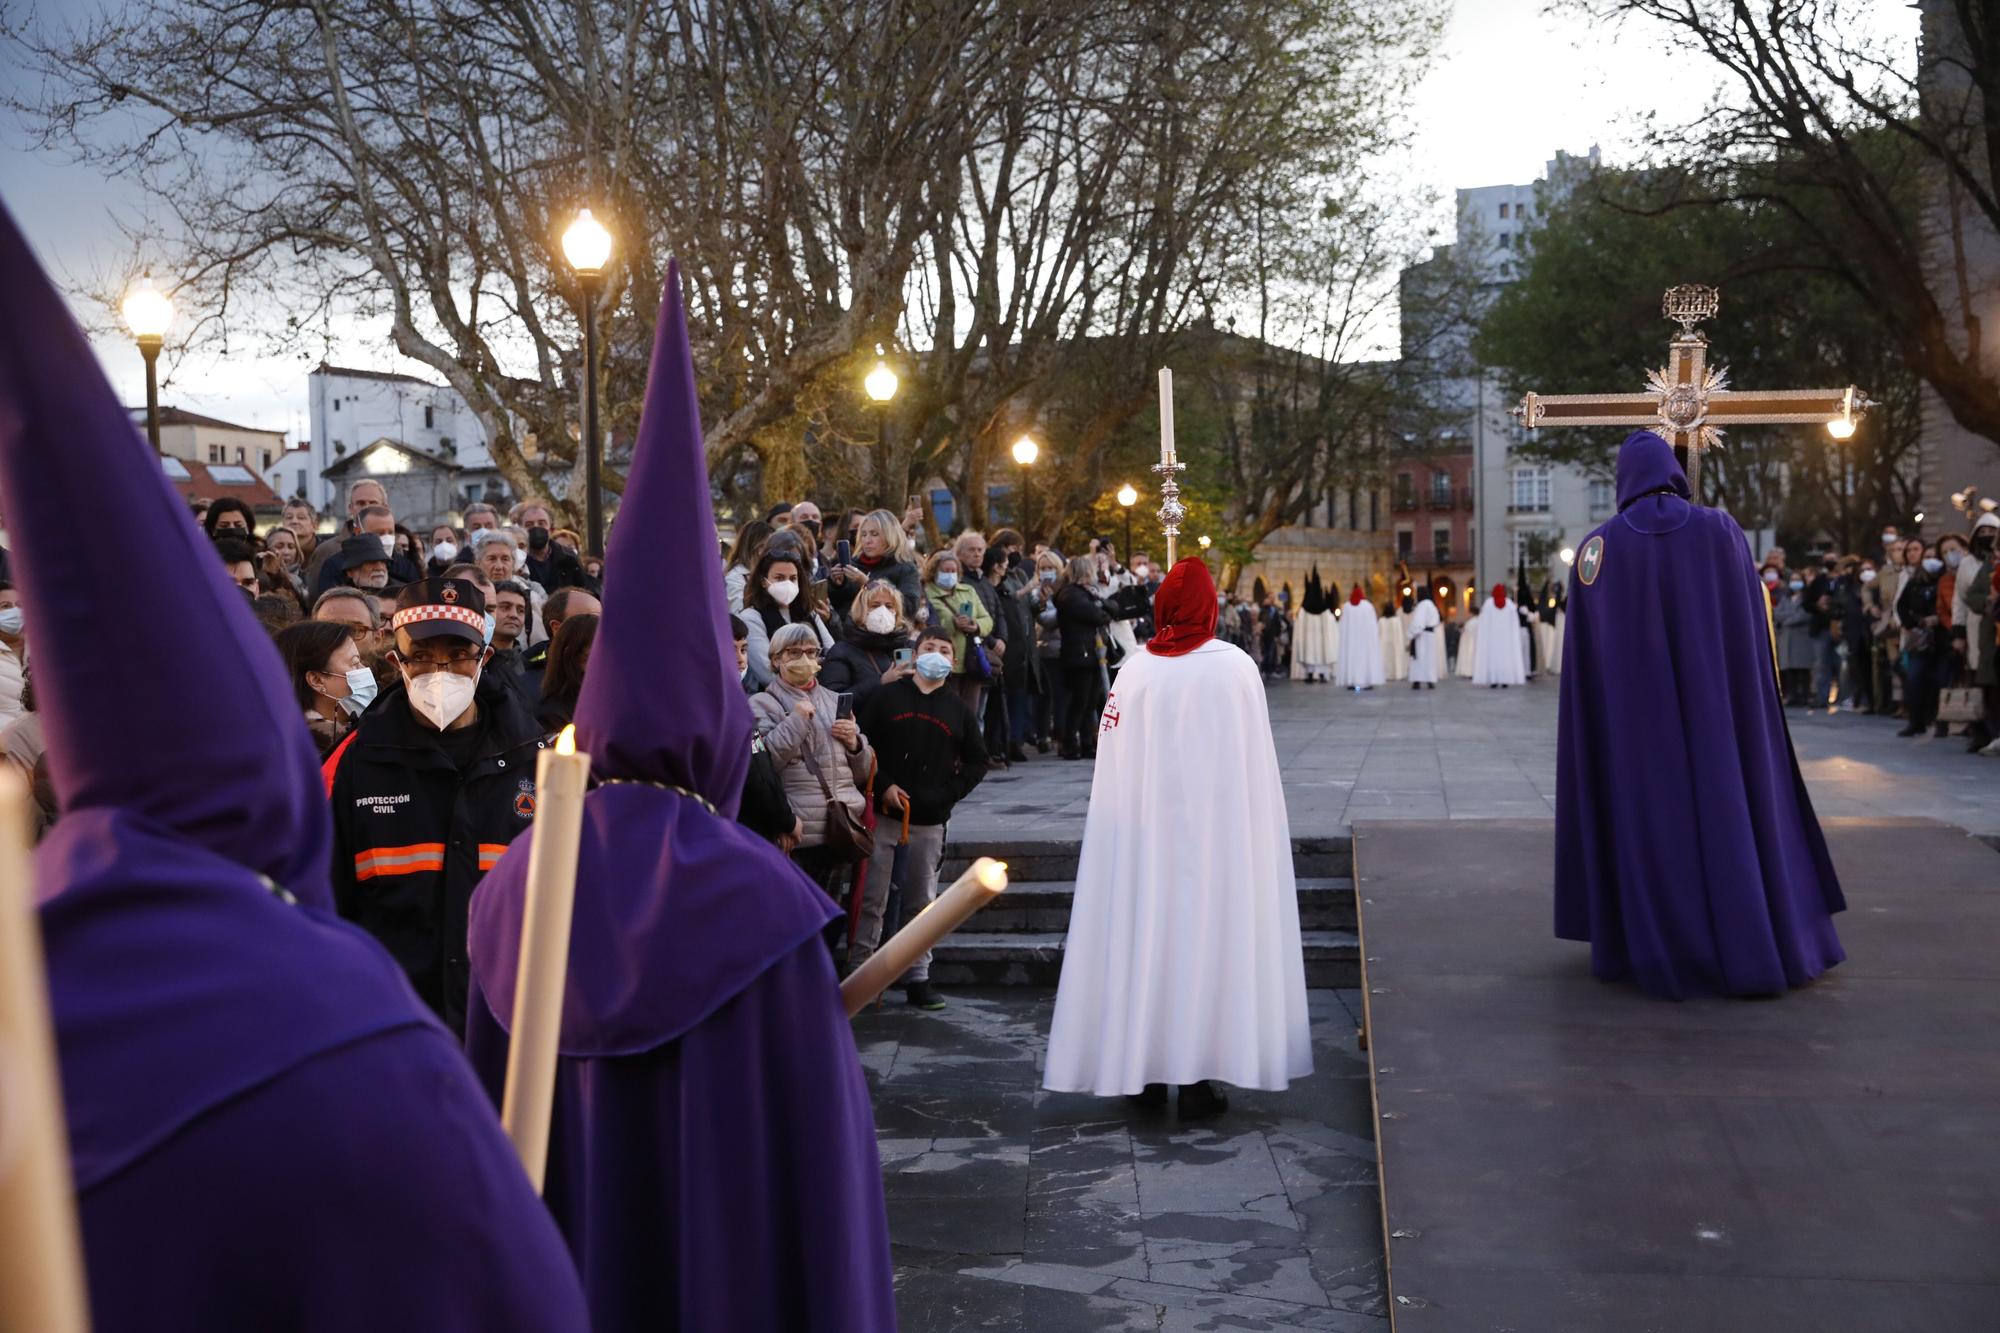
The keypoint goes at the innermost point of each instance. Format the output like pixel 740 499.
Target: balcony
pixel 1541 508
pixel 1404 504
pixel 1439 502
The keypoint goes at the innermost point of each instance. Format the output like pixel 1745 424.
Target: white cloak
pixel 1314 644
pixel 1468 646
pixel 1360 658
pixel 1428 662
pixel 1395 647
pixel 1499 658
pixel 1183 960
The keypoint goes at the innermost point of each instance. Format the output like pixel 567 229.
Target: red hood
pixel 1184 610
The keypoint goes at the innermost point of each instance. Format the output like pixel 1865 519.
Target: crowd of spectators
pixel 1908 631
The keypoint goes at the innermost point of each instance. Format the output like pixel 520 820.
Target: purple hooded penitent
pixel 713 1158
pixel 268 1129
pixel 1687 852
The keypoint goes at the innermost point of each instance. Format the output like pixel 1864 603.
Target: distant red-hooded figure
pixel 1354 598
pixel 1500 594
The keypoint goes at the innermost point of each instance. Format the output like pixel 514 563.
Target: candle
pixel 977 887
pixel 525 1108
pixel 41 1255
pixel 1167 416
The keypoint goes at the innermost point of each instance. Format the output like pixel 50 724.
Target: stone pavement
pixel 1463 752
pixel 1013 1208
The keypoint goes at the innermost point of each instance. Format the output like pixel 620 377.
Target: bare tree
pixel 1844 134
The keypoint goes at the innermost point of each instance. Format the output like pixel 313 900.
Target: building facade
pixel 194 438
pixel 351 411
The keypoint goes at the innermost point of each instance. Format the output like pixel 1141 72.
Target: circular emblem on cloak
pixel 450 594
pixel 1590 561
pixel 524 806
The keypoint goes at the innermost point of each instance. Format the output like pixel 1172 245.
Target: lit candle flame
pixel 566 743
pixel 993 875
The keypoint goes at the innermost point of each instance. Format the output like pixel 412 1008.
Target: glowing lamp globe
pixel 881 382
pixel 1127 496
pixel 1026 451
pixel 147 310
pixel 586 244
pixel 1567 555
pixel 1841 428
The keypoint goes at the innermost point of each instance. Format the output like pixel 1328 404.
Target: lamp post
pixel 148 312
pixel 1026 451
pixel 881 385
pixel 1127 497
pixel 587 247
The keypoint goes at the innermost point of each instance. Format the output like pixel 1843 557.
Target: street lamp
pixel 880 385
pixel 148 312
pixel 1567 555
pixel 1026 451
pixel 587 247
pixel 1127 497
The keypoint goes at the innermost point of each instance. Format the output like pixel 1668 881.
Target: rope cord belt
pixel 696 797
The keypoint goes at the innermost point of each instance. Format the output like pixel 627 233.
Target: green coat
pixel 960 601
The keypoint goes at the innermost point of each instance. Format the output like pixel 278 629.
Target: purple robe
pixel 1687 851
pixel 712 1159
pixel 268 1130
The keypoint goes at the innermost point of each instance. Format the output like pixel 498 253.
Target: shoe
pixel 1416 685
pixel 1153 1098
pixel 996 764
pixel 1017 755
pixel 1992 751
pixel 1199 1101
pixel 1911 731
pixel 923 997
pixel 1071 754
pixel 1043 747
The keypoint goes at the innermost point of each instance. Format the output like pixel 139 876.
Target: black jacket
pixel 765 809
pixel 855 666
pixel 927 744
pixel 1079 615
pixel 413 834
pixel 558 567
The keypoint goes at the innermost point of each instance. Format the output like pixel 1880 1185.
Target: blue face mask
pixel 489 629
pixel 947 580
pixel 1048 576
pixel 933 666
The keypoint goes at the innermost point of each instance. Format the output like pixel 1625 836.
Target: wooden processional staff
pixel 1688 402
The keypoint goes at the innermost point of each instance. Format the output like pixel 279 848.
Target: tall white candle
pixel 41 1256
pixel 978 886
pixel 528 1102
pixel 1167 416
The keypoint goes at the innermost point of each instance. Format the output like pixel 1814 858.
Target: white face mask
pixel 441 697
pixel 444 551
pixel 784 592
pixel 360 691
pixel 388 540
pixel 11 621
pixel 1140 572
pixel 1867 576
pixel 879 620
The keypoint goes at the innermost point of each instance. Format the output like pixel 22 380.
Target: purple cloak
pixel 712 1160
pixel 1687 851
pixel 267 1128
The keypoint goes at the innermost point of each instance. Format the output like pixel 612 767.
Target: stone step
pixel 1053 860
pixel 977 958
pixel 1041 906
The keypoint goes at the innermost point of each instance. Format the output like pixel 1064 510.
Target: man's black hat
pixel 433 607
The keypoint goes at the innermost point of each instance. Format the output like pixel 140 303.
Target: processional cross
pixel 1689 402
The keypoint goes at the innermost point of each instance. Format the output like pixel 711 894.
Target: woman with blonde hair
pixel 882 552
pixel 955 607
pixel 876 650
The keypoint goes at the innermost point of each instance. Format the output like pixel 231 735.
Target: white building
pixel 351 410
pixel 1523 510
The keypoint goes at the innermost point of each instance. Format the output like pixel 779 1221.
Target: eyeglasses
pixel 795 654
pixel 463 661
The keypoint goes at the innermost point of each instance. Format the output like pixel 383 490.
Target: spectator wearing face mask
pixel 778 597
pixel 881 550
pixel 1047 680
pixel 373 523
pixel 1923 643
pixel 1081 617
pixel 1796 653
pixel 363 494
pixel 429 788
pixel 865 658
pixel 229 517
pixel 548 563
pixel 930 757
pixel 957 608
pixel 13 652
pixel 1857 635
pixel 822 757
pixel 332 685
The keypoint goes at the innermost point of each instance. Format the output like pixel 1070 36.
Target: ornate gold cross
pixel 1689 402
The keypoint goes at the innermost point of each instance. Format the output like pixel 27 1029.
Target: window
pixel 263 460
pixel 1354 510
pixel 336 404
pixel 1603 498
pixel 1440 490
pixel 231 475
pixel 1406 491
pixel 1505 240
pixel 1503 210
pixel 1530 491
pixel 429 421
pixel 239 453
pixel 215 453
pixel 1533 547
pixel 1441 544
pixel 1520 210
pixel 175 468
pixel 1374 508
pixel 1406 542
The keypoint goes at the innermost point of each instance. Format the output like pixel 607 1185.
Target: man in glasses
pixel 429 788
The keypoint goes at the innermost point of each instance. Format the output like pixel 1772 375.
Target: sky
pixel 1511 84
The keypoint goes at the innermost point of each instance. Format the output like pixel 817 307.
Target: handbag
pixel 1961 705
pixel 847 836
pixel 1917 640
pixel 977 664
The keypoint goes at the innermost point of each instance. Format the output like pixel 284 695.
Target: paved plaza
pixel 1464 752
